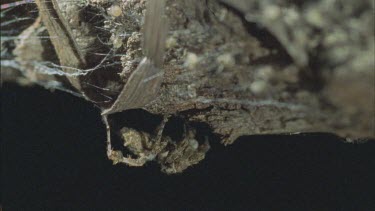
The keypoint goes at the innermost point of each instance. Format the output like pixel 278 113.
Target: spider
pixel 173 157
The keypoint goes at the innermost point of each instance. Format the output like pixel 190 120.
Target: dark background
pixel 53 157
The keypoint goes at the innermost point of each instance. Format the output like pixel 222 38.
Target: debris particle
pixel 115 11
pixel 272 12
pixel 191 60
pixel 226 60
pixel 117 42
pixel 258 87
pixel 171 42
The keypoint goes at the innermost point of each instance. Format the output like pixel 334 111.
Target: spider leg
pixel 134 161
pixel 159 130
pixel 117 157
pixel 189 132
pixel 159 142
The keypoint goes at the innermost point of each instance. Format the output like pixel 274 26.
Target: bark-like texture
pixel 240 67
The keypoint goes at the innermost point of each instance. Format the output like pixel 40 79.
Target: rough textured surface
pixel 239 67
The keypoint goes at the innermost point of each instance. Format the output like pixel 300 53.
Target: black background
pixel 53 158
